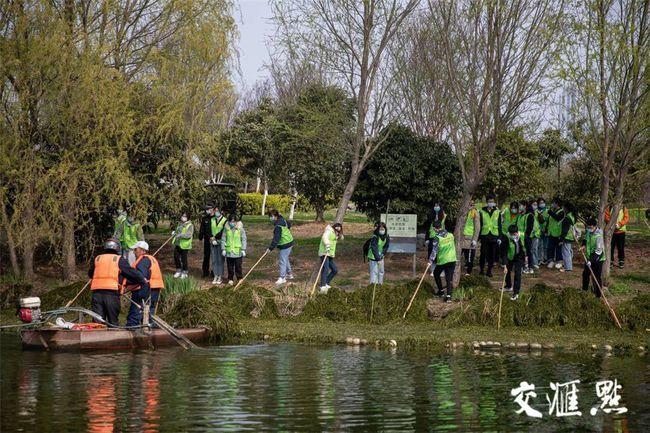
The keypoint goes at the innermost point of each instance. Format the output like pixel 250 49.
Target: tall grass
pixel 174 289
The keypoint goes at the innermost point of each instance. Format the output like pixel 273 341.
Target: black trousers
pixel 488 254
pixel 180 258
pixel 205 266
pixel 469 259
pixel 528 243
pixel 514 266
pixel 106 303
pixel 449 276
pixel 234 268
pixel 597 268
pixel 618 242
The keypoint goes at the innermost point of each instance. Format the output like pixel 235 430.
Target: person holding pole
pixel 283 240
pixel 470 237
pixel 516 256
pixel 379 243
pixel 437 215
pixel 443 258
pixel 593 246
pixel 148 292
pixel 326 252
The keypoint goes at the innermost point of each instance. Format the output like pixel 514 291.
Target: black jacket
pixel 205 231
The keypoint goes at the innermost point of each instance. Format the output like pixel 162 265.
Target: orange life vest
pixel 156 280
pixel 106 275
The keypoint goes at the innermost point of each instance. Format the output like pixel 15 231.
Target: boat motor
pixel 29 309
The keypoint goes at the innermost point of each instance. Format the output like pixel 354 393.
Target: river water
pixel 291 387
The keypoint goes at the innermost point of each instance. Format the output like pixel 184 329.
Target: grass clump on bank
pixel 60 296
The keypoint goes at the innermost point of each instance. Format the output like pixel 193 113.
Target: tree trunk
pixel 347 194
pixel 293 206
pixel 320 213
pixel 28 243
pixel 11 245
pixel 266 193
pixel 68 246
pixel 258 183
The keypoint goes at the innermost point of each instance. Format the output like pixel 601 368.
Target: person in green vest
pixel 234 247
pixel 515 255
pixel 489 234
pixel 327 252
pixel 379 243
pixel 554 230
pixel 217 224
pixel 510 216
pixel 593 246
pixel 541 218
pixel 470 237
pixel 182 241
pixel 118 225
pixel 283 240
pixel 443 259
pixel 567 237
pixel 130 234
pixel 437 215
pixel 526 225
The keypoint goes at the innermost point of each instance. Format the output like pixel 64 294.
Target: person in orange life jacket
pixel 618 238
pixel 437 215
pixel 554 230
pixel 443 258
pixel 145 293
pixel 109 272
pixel 510 216
pixel 204 235
pixel 515 255
pixel 489 234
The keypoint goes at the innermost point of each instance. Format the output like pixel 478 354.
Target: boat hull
pixel 104 339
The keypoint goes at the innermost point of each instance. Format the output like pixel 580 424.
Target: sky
pixel 254 28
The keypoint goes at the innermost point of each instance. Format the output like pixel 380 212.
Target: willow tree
pixel 607 69
pixel 348 40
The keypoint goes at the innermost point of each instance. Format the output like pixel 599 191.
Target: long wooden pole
pixel 372 306
pixel 86 285
pixel 503 284
pixel 318 276
pixel 251 269
pixel 602 292
pixel 416 289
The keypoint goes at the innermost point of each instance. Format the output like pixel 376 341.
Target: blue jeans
pixel 285 266
pixel 134 317
pixel 534 252
pixel 217 260
pixel 542 245
pixel 329 270
pixel 567 255
pixel 377 272
pixel 155 294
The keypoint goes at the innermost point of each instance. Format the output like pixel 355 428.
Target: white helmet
pixel 141 244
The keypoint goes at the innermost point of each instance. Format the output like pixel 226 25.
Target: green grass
pixel 179 286
pixel 635 278
pixel 305 217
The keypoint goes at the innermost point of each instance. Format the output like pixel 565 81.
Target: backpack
pixel 366 248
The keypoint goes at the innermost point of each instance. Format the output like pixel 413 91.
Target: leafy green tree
pixel 553 147
pixel 412 172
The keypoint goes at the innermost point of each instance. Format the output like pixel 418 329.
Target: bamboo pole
pixel 318 276
pixel 416 289
pixel 251 269
pixel 503 284
pixel 372 306
pixel 602 292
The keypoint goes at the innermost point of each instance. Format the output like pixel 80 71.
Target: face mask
pixel 436 208
pixel 515 238
pixel 522 209
pixel 232 225
pixel 591 229
pixel 272 219
pixel 542 205
pixel 534 207
pixel 382 232
pixel 492 204
pixel 183 219
pixel 513 210
pixel 217 214
pixel 207 212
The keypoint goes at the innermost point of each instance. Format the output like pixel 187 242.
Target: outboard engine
pixel 29 309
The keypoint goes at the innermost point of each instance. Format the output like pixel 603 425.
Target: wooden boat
pixel 104 339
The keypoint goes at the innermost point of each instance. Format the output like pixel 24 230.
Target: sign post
pixel 402 229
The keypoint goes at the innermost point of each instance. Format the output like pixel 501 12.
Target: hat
pixel 141 244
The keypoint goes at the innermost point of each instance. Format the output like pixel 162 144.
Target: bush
pixel 251 203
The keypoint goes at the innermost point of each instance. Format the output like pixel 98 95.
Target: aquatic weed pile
pixel 203 308
pixel 543 306
pixel 247 301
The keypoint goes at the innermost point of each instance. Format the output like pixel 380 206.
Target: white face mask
pixel 382 232
pixel 272 219
pixel 183 219
pixel 515 238
pixel 491 204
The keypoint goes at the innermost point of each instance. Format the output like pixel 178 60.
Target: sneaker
pixel 280 281
pixel 323 289
pixel 620 265
pixel 514 297
pixel 215 281
pixel 536 267
pixel 184 275
pixel 328 286
pixel 558 265
pixel 440 293
pixel 290 277
pixel 507 289
pixel 447 298
pixel 177 274
pixel 231 282
pixel 466 274
pixel 551 264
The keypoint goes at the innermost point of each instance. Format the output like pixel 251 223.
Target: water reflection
pixel 302 388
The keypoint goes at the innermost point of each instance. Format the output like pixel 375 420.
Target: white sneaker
pixel 536 267
pixel 323 289
pixel 184 275
pixel 215 281
pixel 231 282
pixel 280 281
pixel 558 265
pixel 177 274
pixel 514 297
pixel 328 286
pixel 551 264
pixel 290 277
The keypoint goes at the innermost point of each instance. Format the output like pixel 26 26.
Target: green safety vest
pixel 130 234
pixel 621 214
pixel 119 222
pixel 591 242
pixel 380 247
pixel 543 226
pixel 321 248
pixel 508 220
pixel 490 223
pixel 511 247
pixel 570 235
pixel 233 241
pixel 537 228
pixel 185 244
pixel 554 227
pixel 432 231
pixel 217 227
pixel 446 249
pixel 469 228
pixel 522 223
pixel 285 236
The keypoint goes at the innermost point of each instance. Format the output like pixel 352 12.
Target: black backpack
pixel 366 248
